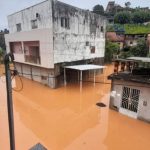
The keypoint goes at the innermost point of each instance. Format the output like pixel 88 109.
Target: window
pixel 130 99
pixel 92 49
pixel 34 24
pixel 102 29
pixel 32 52
pixel 87 43
pixel 18 26
pixel 65 22
pixel 62 22
pixel 131 43
pixel 16 47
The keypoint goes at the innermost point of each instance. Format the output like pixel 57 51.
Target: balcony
pixel 32 59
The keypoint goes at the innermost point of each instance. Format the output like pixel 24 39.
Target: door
pixel 130 101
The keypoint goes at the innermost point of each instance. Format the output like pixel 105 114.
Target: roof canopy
pixel 85 67
pixel 142 59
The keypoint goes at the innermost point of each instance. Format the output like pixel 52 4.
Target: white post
pixel 78 76
pixel 81 81
pixel 65 82
pixel 94 77
pixel 104 71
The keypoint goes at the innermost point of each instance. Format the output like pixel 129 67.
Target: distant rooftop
pixel 142 59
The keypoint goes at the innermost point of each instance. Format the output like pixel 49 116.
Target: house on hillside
pixel 133 33
pixel 130 87
pixel 111 9
pixel 110 6
pixel 116 38
pixel 132 39
pixel 148 42
pixel 50 35
pixel 2 38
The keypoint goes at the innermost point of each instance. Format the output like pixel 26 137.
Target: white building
pixel 51 34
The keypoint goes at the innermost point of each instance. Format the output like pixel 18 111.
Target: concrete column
pixel 94 77
pixel 81 81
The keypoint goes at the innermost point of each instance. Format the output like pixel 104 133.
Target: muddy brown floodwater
pixel 67 119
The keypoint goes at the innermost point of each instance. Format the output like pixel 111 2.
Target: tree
pixel 2 38
pixel 122 17
pixel 140 16
pixel 127 4
pixel 98 9
pixel 141 49
pixel 111 49
pixel 1 54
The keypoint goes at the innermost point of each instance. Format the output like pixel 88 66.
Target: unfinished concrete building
pixel 52 34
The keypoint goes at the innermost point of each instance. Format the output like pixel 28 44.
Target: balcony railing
pixel 32 59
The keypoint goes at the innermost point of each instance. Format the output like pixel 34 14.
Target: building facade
pixel 130 88
pixel 52 34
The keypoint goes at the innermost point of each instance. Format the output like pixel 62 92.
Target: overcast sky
pixel 10 6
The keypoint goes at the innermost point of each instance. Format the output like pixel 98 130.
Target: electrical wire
pixel 21 88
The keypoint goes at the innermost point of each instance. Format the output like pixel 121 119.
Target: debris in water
pixel 101 104
pixel 38 147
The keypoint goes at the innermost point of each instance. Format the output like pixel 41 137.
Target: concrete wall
pixel 70 43
pixel 25 16
pixel 44 36
pixel 57 44
pixel 144 99
pixel 39 74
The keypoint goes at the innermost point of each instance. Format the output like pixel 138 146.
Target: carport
pixel 82 68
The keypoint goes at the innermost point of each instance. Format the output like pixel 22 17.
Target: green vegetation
pixel 137 29
pixel 129 28
pixel 137 16
pixel 111 49
pixel 140 50
pixel 122 17
pixel 110 28
pixel 98 9
pixel 1 55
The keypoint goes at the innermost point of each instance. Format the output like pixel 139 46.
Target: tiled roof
pixel 113 37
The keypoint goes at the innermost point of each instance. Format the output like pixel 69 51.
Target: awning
pixel 85 67
pixel 82 68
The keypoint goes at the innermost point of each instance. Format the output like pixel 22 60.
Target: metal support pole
pixel 78 76
pixel 94 77
pixel 81 81
pixel 9 100
pixel 65 82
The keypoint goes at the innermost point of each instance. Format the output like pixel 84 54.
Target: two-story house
pixel 52 34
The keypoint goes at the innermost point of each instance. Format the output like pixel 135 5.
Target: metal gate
pixel 130 99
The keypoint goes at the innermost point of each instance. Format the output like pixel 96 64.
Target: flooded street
pixel 68 119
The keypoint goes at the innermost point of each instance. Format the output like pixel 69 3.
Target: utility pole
pixel 7 59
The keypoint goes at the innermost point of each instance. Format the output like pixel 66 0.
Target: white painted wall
pixel 70 44
pixel 45 37
pixel 57 44
pixel 143 111
pixel 44 33
pixel 25 16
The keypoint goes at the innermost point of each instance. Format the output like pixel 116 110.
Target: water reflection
pixel 59 116
pixel 67 119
